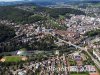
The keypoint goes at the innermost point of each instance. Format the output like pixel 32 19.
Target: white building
pixel 22 52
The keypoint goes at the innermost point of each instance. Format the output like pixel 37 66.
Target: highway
pixel 83 49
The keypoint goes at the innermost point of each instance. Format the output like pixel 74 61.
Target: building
pixel 22 52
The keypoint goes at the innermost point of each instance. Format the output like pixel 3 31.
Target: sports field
pixel 13 58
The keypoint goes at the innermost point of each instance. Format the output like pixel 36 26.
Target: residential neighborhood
pixel 50 38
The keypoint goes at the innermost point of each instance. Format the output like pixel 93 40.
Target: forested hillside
pixel 6 33
pixel 55 12
pixel 22 16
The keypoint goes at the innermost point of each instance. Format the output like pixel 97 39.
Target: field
pixel 79 74
pixel 13 59
pixel 72 62
pixel 96 5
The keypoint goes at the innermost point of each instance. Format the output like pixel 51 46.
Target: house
pixel 70 35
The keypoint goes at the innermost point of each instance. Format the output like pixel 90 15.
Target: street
pixel 85 49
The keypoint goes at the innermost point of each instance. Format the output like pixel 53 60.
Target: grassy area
pixel 79 74
pixel 33 7
pixel 96 5
pixel 12 58
pixel 82 73
pixel 72 62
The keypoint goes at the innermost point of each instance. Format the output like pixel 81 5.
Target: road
pixel 83 49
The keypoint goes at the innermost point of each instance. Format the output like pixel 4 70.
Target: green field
pixel 72 62
pixel 95 5
pixel 79 74
pixel 12 58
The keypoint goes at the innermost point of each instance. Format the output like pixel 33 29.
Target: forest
pixel 22 16
pixel 6 33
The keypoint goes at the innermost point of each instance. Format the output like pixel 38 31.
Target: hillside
pixel 27 14
pixel 17 15
pixel 23 16
pixel 6 33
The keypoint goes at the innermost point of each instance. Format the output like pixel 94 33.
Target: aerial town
pixel 50 43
